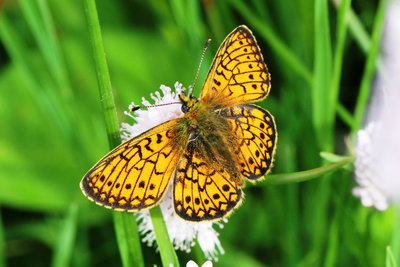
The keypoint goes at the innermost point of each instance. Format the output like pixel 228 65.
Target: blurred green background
pixel 52 126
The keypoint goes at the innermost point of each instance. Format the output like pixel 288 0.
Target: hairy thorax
pixel 211 139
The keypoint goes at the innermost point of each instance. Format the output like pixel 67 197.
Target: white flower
pixel 193 264
pixel 182 233
pixel 366 169
pixel 378 145
pixel 152 117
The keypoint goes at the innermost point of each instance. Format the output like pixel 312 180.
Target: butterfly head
pixel 188 101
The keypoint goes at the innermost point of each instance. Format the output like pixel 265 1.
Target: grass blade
pixel 126 231
pixel 323 115
pixel 395 244
pixel 339 50
pixel 168 255
pixel 103 76
pixel 359 32
pixel 296 177
pixel 370 67
pixel 390 260
pixel 322 104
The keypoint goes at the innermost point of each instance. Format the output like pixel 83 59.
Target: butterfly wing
pixel 202 192
pixel 238 73
pixel 255 128
pixel 135 174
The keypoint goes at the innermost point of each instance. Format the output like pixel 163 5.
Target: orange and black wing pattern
pixel 201 191
pixel 256 130
pixel 238 73
pixel 135 174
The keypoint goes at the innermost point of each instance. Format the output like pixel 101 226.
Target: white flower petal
pixel 191 264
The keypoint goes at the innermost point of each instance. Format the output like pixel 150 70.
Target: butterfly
pixel 207 153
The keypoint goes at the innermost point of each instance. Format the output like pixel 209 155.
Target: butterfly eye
pixel 184 108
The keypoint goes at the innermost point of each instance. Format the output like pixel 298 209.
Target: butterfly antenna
pixel 198 69
pixel 134 108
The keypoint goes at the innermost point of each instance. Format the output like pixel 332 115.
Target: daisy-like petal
pixel 182 233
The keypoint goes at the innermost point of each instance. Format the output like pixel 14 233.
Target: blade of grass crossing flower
pixel 370 66
pixel 123 229
pixel 168 255
pixel 126 231
pixel 390 260
pixel 66 240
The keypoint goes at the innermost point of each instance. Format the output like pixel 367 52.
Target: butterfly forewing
pixel 238 73
pixel 135 175
pixel 256 130
pixel 202 192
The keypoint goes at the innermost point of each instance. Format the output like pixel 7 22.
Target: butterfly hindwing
pixel 135 174
pixel 256 130
pixel 238 73
pixel 202 192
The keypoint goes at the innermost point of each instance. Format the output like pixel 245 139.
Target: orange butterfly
pixel 219 141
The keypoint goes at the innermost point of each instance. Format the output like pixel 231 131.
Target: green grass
pixel 56 125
